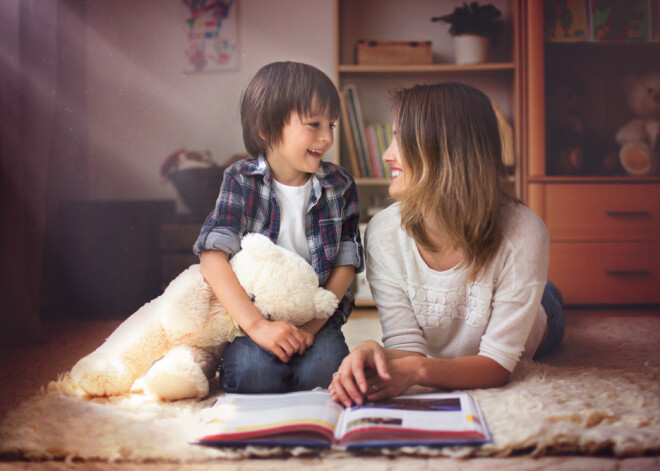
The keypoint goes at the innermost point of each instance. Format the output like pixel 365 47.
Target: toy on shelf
pixel 640 146
pixel 564 126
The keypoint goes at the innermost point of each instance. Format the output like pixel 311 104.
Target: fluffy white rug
pixel 545 409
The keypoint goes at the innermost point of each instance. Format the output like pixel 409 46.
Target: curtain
pixel 32 145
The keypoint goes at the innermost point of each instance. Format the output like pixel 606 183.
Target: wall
pixel 141 107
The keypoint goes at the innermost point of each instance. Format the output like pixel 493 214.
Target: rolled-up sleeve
pixel 223 227
pixel 350 254
pixel 350 250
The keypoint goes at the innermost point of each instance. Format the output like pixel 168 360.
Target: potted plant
pixel 472 27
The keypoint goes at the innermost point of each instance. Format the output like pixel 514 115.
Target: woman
pixel 457 266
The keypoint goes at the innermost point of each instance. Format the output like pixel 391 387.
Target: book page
pixel 420 418
pixel 273 417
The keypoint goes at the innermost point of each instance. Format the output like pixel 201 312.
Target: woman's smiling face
pixel 398 168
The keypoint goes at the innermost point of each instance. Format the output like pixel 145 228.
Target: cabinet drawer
pixel 598 211
pixel 606 273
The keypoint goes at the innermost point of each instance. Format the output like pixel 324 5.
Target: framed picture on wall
pixel 211 35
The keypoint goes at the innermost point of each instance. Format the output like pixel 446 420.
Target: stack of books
pixel 366 144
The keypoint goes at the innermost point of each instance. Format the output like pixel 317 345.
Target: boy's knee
pixel 318 377
pixel 258 378
pixel 319 363
pixel 248 369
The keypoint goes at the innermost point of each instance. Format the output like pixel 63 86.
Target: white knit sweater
pixel 439 314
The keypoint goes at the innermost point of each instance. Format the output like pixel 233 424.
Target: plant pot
pixel 470 48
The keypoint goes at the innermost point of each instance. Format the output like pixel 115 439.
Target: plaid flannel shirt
pixel 247 203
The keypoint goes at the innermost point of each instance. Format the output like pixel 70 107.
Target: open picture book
pixel 311 418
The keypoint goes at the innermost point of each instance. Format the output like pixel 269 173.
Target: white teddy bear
pixel 639 138
pixel 174 343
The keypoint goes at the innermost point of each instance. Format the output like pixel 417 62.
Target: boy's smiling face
pixel 305 139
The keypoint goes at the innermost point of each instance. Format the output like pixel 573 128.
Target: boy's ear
pixel 266 144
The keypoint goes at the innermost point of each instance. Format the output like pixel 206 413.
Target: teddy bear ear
pixel 628 84
pixel 256 243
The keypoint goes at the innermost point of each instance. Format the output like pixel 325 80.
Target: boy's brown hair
pixel 276 90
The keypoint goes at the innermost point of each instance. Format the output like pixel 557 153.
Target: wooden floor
pixel 25 369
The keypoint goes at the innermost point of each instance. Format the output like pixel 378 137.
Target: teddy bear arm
pixel 326 303
pixel 183 373
pixel 633 131
pixel 186 309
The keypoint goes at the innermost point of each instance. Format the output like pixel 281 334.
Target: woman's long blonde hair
pixel 448 135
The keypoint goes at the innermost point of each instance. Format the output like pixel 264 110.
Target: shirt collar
pixel 258 166
pixel 325 176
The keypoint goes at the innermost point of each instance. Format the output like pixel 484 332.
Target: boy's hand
pixel 280 338
pixel 310 330
pixel 309 339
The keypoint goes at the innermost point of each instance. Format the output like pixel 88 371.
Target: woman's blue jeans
pixel 554 308
pixel 249 369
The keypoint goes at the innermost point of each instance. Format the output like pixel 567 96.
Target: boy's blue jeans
pixel 249 369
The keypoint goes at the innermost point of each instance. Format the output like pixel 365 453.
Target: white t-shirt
pixel 293 202
pixel 439 314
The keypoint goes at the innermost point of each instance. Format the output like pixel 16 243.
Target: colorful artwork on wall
pixel 212 35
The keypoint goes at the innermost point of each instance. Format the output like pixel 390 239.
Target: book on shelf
pixel 366 143
pixel 655 18
pixel 374 152
pixel 384 141
pixel 357 128
pixel 350 139
pixel 620 21
pixel 566 21
pixel 313 419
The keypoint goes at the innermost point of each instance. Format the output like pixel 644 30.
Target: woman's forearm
pixel 458 373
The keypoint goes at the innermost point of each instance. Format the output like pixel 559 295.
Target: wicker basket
pixel 198 188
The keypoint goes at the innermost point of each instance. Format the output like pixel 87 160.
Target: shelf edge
pixel 366 69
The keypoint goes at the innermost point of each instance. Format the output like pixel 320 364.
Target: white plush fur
pixel 174 343
pixel 639 137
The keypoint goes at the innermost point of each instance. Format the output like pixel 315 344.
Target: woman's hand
pixel 371 372
pixel 402 376
pixel 350 383
pixel 280 338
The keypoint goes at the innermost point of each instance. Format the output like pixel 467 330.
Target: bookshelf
pixel 392 20
pixel 411 21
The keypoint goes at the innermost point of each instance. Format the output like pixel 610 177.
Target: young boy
pixel 302 203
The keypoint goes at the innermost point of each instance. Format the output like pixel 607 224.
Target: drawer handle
pixel 623 273
pixel 640 213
